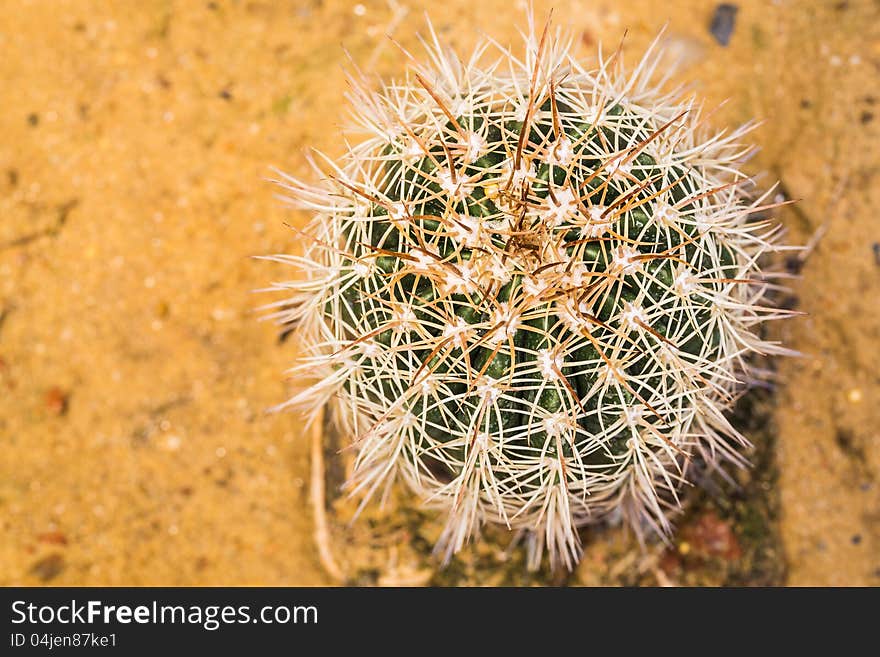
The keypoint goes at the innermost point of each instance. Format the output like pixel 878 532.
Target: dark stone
pixel 794 265
pixel 285 333
pixel 723 22
pixel 789 302
pixel 48 567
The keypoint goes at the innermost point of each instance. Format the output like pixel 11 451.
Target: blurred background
pixel 134 375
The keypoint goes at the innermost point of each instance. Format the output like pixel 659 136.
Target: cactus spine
pixel 531 292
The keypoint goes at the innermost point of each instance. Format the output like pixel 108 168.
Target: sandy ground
pixel 134 446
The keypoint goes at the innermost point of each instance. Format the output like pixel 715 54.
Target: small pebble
pixel 789 302
pixel 854 396
pixel 48 567
pixel 56 401
pixel 53 537
pixel 723 23
pixel 794 265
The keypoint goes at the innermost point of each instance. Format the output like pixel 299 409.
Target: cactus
pixel 531 292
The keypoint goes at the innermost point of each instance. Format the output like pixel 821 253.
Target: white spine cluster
pixel 531 292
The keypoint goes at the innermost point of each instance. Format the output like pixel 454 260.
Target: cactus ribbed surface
pixel 531 292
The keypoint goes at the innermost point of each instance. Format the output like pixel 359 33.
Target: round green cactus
pixel 531 293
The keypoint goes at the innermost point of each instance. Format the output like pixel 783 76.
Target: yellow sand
pixel 137 136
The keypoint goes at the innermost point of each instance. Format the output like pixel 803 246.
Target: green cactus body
pixel 531 295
